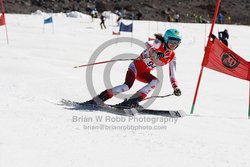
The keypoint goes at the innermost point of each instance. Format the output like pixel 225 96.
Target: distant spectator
pixel 195 17
pixel 229 20
pixel 119 16
pixel 94 13
pixel 169 18
pixel 102 21
pixel 123 13
pixel 220 18
pixel 176 17
pixel 168 13
pixel 139 15
pixel 200 19
pixel 224 36
pixel 133 16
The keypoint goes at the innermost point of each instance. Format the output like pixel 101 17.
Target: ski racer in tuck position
pixel 158 53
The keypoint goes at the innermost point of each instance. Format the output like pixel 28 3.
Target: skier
pixel 119 14
pixel 223 36
pixel 102 21
pixel 158 53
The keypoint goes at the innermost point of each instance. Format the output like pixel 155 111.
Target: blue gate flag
pixel 126 28
pixel 48 20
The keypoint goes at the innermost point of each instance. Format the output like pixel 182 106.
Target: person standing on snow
pixel 224 36
pixel 102 21
pixel 158 53
pixel 220 18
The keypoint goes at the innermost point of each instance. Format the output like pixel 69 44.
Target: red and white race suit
pixel 154 56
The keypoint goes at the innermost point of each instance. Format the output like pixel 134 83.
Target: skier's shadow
pixel 82 107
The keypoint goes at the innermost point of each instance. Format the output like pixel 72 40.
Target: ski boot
pixel 129 103
pixel 133 101
pixel 96 101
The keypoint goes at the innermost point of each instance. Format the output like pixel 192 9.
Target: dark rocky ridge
pixel 189 10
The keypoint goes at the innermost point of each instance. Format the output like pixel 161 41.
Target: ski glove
pixel 177 91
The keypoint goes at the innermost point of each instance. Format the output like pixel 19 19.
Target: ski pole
pixel 158 96
pixel 102 62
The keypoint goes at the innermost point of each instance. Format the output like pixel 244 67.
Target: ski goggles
pixel 174 41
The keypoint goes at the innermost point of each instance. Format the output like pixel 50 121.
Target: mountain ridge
pixel 196 11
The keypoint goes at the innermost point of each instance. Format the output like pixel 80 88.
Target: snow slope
pixel 36 70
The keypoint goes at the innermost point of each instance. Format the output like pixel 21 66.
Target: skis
pixel 122 110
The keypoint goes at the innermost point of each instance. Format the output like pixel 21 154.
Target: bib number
pixel 151 64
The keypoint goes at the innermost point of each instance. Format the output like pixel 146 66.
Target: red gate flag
pixel 2 20
pixel 220 58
